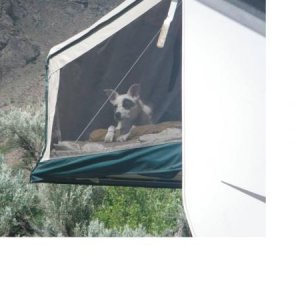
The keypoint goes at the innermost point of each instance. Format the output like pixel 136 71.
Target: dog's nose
pixel 118 116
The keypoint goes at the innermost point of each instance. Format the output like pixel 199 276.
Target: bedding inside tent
pixel 114 101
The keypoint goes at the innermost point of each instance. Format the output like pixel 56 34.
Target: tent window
pixel 124 93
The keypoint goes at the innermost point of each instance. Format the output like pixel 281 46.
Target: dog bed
pixel 144 135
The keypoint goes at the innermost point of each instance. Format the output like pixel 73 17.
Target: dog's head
pixel 126 106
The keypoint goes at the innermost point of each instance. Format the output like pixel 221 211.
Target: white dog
pixel 129 111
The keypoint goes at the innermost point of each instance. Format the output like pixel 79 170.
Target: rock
pixel 18 52
pixel 28 29
pixel 75 7
pixel 6 24
pixel 4 37
pixel 107 5
pixel 83 3
pixel 18 10
pixel 13 9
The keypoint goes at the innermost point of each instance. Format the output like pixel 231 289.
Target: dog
pixel 129 111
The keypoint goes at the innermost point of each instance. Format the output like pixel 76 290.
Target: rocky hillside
pixel 28 29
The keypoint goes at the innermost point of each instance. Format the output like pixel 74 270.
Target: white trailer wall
pixel 224 95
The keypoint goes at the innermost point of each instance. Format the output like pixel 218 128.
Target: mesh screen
pixel 124 93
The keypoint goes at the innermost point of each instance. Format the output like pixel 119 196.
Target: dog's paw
pixel 122 138
pixel 109 137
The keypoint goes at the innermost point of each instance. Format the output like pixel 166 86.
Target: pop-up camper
pixel 114 107
pixel 114 100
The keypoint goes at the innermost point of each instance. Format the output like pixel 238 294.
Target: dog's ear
pixel 134 90
pixel 111 94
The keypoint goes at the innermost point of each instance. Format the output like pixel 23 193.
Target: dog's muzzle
pixel 118 116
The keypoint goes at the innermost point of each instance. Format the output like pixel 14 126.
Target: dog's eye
pixel 127 104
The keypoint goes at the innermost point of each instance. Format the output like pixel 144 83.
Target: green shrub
pixel 24 129
pixel 20 208
pixel 98 229
pixel 156 210
pixel 67 207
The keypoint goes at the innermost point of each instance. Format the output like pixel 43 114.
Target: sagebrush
pixel 69 210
